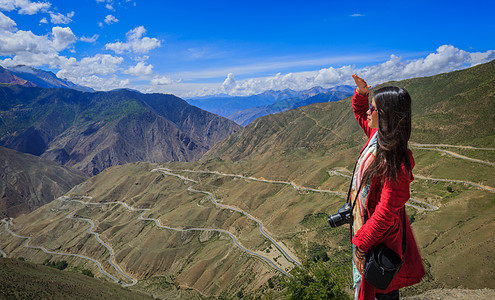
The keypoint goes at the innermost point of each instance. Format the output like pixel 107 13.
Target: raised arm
pixel 360 103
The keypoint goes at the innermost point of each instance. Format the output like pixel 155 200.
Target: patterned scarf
pixel 364 161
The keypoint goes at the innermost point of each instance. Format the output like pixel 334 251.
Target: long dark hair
pixel 394 129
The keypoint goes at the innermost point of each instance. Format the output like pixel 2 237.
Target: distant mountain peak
pixel 125 89
pixel 29 76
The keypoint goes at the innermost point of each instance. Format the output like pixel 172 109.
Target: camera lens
pixel 344 216
pixel 335 220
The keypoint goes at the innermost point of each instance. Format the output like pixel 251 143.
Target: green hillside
pixel 24 280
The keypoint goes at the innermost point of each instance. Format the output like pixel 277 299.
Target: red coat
pixel 385 206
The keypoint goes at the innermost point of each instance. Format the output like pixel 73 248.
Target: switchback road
pixel 28 239
pixel 213 200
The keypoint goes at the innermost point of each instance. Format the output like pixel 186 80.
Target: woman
pixel 382 178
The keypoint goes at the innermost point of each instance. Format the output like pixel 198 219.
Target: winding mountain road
pixel 141 217
pixel 335 172
pixel 430 207
pixel 252 179
pixel 112 255
pixel 213 200
pixel 28 239
pixel 157 222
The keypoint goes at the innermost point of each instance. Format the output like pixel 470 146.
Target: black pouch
pixel 382 264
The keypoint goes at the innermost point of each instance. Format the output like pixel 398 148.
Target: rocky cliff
pixel 93 131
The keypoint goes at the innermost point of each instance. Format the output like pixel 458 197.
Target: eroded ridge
pixel 157 222
pixel 213 200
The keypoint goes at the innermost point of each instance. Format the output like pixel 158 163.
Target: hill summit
pixel 29 76
pixel 93 131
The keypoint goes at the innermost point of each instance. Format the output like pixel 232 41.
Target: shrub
pixel 316 281
pixel 61 265
pixel 88 273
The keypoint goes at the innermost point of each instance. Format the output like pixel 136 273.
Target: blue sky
pixel 192 48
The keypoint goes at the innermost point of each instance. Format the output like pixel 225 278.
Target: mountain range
pixel 170 225
pixel 244 109
pixel 93 131
pixel 29 76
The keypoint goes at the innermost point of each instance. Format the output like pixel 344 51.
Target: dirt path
pixel 317 123
pixel 480 186
pixel 450 146
pixel 261 180
pixel 456 155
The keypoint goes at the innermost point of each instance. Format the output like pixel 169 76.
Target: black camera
pixel 343 216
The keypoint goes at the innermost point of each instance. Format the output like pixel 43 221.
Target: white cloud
pixel 26 42
pixel 447 58
pixel 109 19
pixel 357 15
pixel 62 38
pixel 19 47
pixel 58 18
pixel 141 58
pixel 43 21
pixel 102 83
pixel 6 23
pixel 141 69
pixel 482 57
pixel 100 64
pixel 109 7
pixel 135 42
pixel 229 84
pixel 26 7
pixel 90 39
pixel 162 80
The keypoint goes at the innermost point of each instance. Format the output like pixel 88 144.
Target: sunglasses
pixel 372 108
